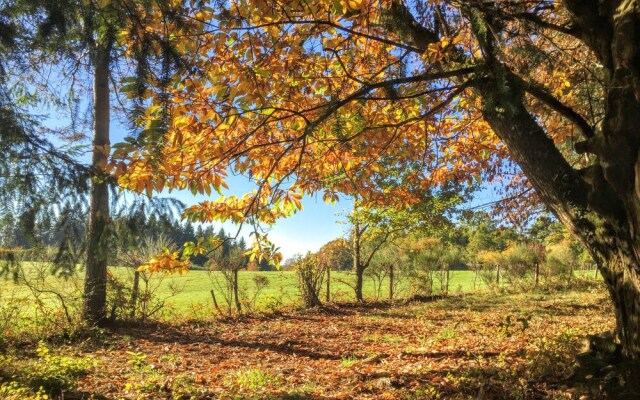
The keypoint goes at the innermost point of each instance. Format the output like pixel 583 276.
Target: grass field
pixel 193 289
pixel 190 293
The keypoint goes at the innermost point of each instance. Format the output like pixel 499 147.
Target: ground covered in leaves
pixel 473 347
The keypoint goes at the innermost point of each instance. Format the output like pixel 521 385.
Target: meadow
pixel 191 291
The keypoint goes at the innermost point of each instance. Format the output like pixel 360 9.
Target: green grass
pixel 190 294
pixel 195 286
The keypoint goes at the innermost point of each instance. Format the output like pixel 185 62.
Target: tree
pixel 38 178
pixel 317 91
pixel 98 35
pixel 375 227
pixel 229 263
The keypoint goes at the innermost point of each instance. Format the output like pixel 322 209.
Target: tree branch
pixel 547 98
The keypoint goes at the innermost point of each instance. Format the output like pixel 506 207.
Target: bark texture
pixel 599 204
pixel 95 284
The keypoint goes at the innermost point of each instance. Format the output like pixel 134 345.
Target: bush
pixel 49 374
pixel 310 278
pixel 561 261
pixel 136 297
pixel 520 262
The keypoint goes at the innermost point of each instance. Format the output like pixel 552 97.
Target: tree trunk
pixel 135 290
pixel 475 277
pixel 357 262
pixel 446 287
pixel 359 282
pixel 391 278
pixel 95 284
pixel 570 271
pixel 498 275
pixel 328 284
pixel 537 275
pixel 235 291
pixel 215 302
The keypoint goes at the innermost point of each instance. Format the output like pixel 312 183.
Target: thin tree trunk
pixel 391 277
pixel 498 275
pixel 537 274
pixel 475 278
pixel 357 262
pixel 235 291
pixel 215 302
pixel 135 293
pixel 359 283
pixel 95 284
pixel 446 288
pixel 328 284
pixel 570 271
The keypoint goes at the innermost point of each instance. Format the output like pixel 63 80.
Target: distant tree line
pixel 67 228
pixel 418 262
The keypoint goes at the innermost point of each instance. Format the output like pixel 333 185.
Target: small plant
pixel 510 323
pixel 348 361
pixel 50 373
pixel 136 360
pixel 252 379
pixel 448 333
pixel 554 357
pixel 15 391
pixel 183 386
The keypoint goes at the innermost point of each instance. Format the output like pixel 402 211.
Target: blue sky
pixel 307 230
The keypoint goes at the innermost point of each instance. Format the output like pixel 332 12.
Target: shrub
pixel 561 261
pixel 310 278
pixel 49 374
pixel 137 297
pixel 520 262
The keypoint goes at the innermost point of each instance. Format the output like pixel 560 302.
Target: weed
pixel 136 360
pixel 511 323
pixel 554 357
pixel 183 387
pixel 348 361
pixel 252 379
pixel 448 333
